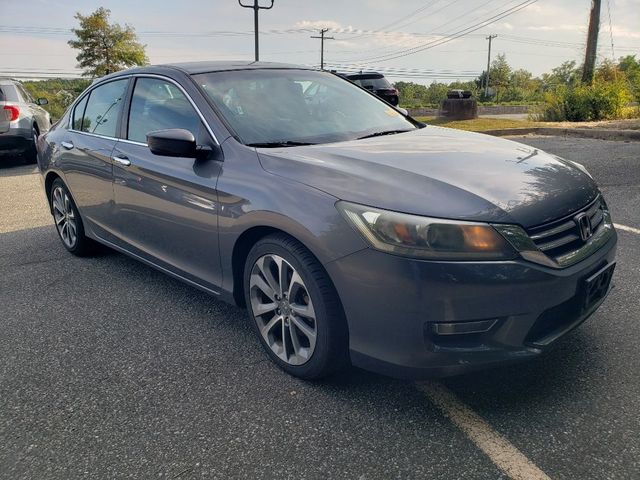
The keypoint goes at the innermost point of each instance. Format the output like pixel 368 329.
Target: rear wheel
pixel 68 222
pixel 294 308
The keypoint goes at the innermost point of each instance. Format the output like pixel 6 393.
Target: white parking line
pixel 502 453
pixel 624 228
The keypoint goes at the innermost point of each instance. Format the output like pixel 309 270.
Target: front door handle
pixel 67 145
pixel 124 161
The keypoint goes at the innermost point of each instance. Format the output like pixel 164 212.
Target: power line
pixel 613 51
pixel 453 36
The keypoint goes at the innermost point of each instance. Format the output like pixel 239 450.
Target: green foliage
pixel 417 95
pixel 106 48
pixel 568 74
pixel 59 92
pixel 601 101
pixel 630 67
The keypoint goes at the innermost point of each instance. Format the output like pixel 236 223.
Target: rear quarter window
pixel 8 93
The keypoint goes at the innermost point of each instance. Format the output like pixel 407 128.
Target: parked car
pixel 377 83
pixel 352 233
pixel 22 119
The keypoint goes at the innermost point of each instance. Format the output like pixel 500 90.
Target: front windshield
pixel 288 106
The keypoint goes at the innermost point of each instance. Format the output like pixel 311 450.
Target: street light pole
pixel 486 85
pixel 256 7
pixel 322 39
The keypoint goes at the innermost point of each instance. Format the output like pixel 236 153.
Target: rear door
pixel 166 207
pixel 87 147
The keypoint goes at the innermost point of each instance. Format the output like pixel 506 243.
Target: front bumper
pixel 393 303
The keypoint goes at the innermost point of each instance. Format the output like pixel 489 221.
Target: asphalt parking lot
pixel 109 369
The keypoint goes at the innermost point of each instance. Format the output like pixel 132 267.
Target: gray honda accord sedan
pixel 350 232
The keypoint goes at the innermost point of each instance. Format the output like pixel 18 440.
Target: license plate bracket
pixel 596 287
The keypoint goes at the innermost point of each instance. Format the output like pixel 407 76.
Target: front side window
pixel 104 108
pixel 271 106
pixel 157 105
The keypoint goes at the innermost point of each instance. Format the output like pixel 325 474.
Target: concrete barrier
pixel 482 110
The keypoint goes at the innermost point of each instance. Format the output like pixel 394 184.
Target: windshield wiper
pixel 385 132
pixel 282 143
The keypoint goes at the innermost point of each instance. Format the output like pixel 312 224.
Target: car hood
pixel 440 172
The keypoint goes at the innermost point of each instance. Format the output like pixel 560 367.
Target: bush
pixel 59 91
pixel 583 103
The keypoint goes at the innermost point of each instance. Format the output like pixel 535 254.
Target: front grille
pixel 561 237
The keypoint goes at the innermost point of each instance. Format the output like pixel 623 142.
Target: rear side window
pixel 104 108
pixel 156 105
pixel 78 114
pixel 372 82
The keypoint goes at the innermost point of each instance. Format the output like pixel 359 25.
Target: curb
pixel 598 133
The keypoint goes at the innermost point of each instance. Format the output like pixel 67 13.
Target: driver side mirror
pixel 42 101
pixel 173 142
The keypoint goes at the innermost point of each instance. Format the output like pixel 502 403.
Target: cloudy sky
pixel 412 39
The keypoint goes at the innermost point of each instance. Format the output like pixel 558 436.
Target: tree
pixel 106 48
pixel 499 76
pixel 567 74
pixel 631 69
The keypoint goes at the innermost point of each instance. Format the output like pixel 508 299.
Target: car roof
pixel 364 75
pixel 193 68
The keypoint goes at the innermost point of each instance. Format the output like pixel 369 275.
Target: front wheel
pixel 294 308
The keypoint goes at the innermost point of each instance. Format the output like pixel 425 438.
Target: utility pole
pixel 322 39
pixel 592 43
pixel 256 7
pixel 486 83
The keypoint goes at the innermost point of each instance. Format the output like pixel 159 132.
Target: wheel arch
pixel 48 185
pixel 243 246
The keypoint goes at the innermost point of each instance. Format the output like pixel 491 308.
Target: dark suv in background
pixel 376 83
pixel 22 120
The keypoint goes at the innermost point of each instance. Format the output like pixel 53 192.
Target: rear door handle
pixel 124 161
pixel 67 145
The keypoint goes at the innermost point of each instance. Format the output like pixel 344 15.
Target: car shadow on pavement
pixel 558 370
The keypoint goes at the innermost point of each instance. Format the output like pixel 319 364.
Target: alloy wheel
pixel 283 309
pixel 64 217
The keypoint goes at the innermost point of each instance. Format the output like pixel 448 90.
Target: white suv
pixel 22 120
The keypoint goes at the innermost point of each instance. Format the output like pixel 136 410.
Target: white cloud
pixel 318 24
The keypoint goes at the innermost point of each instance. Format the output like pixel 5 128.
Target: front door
pixel 166 207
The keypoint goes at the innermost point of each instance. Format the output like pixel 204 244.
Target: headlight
pixel 424 237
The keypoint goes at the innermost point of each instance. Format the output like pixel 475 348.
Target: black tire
pixel 331 352
pixel 31 154
pixel 83 245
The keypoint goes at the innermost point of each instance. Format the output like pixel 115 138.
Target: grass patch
pixel 481 124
